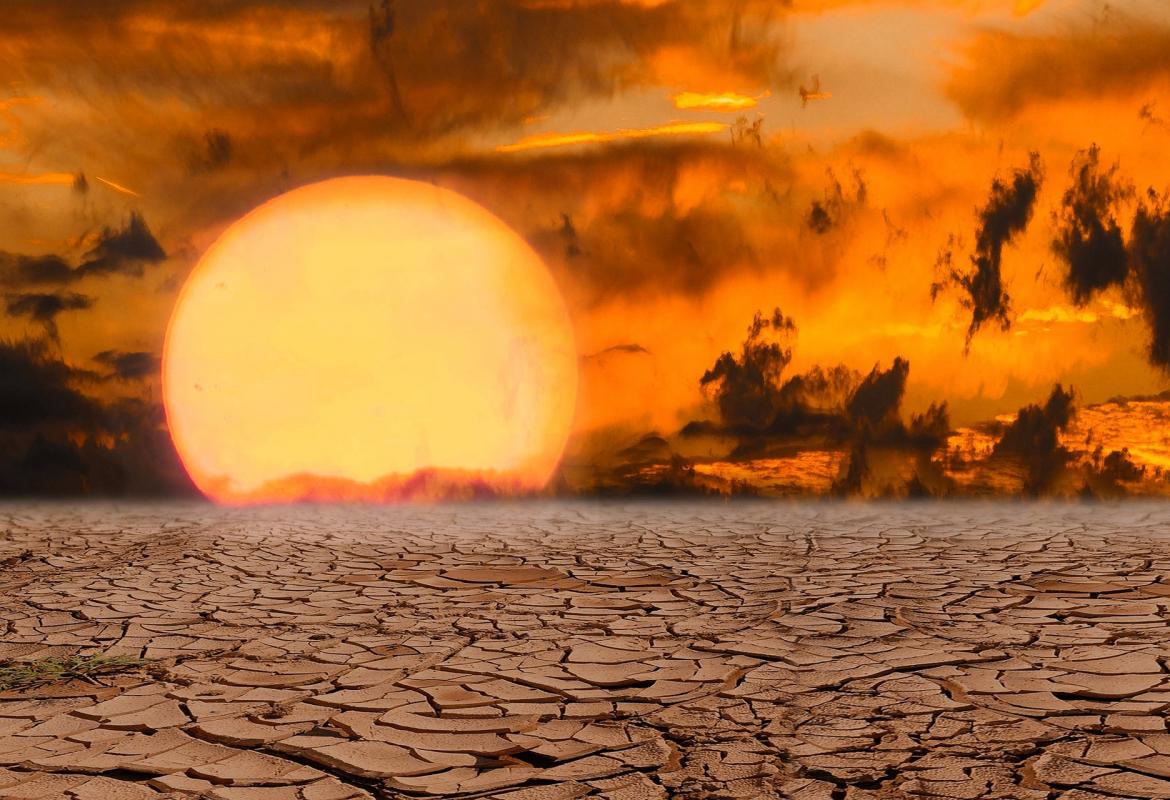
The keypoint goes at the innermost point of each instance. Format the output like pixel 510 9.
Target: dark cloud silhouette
pixel 18 270
pixel 930 429
pixel 57 440
pixel 757 404
pixel 834 409
pixel 37 389
pixel 123 250
pixel 1112 475
pixel 1036 427
pixel 747 387
pixel 1091 244
pixel 886 456
pixel 1007 213
pixel 129 366
pixel 44 307
pixel 1089 239
pixel 1149 250
pixel 1033 439
pixel 878 400
pixel 1118 466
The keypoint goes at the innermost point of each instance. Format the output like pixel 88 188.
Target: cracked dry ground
pixel 537 652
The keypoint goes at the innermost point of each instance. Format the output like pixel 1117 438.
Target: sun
pixel 372 339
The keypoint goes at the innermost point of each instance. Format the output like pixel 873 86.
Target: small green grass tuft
pixel 27 674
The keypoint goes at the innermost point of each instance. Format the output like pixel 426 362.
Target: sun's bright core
pixel 358 338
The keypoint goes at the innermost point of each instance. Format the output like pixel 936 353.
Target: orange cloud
pixel 1004 73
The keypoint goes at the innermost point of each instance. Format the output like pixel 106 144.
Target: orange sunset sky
pixel 964 185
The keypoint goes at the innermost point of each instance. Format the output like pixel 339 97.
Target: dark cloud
pixel 1097 256
pixel 878 400
pixel 1149 250
pixel 1036 427
pixel 1033 439
pixel 37 389
pixel 44 308
pixel 1118 466
pixel 123 250
pixel 129 366
pixel 360 84
pixel 1113 474
pixel 757 404
pixel 22 270
pixel 57 440
pixel 1008 73
pixel 762 418
pixel 1007 213
pixel 747 387
pixel 886 456
pixel 1089 239
pixel 931 428
pixel 823 409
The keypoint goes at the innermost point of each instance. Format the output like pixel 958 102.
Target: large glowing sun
pixel 369 338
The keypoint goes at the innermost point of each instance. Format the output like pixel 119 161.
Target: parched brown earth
pixel 539 652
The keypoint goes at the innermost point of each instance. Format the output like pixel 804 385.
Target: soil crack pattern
pixel 564 650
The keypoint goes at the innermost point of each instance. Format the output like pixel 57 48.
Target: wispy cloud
pixel 714 101
pixel 545 140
